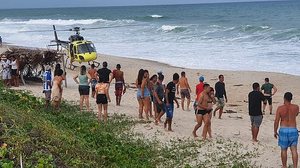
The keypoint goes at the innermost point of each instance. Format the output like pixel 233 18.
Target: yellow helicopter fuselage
pixel 82 51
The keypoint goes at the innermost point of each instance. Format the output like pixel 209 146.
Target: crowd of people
pixel 155 99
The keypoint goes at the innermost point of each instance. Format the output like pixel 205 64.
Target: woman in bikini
pixel 102 99
pixel 211 101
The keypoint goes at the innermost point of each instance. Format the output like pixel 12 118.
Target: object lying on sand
pixel 230 111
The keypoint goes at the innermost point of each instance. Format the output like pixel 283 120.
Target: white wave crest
pixel 168 28
pixel 156 16
pixel 62 22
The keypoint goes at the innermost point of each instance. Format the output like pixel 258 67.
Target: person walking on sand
pixel 203 110
pixel 83 88
pixel 93 74
pixel 102 99
pixel 47 85
pixel 220 94
pixel 199 89
pixel 185 90
pixel 211 102
pixel 255 99
pixel 268 87
pixel 286 115
pixel 6 74
pixel 57 89
pixel 169 100
pixel 158 94
pixel 120 87
pixel 143 93
pixel 152 107
pixel 14 72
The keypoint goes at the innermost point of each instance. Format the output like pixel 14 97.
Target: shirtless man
pixel 93 73
pixel 203 110
pixel 185 90
pixel 288 132
pixel 120 87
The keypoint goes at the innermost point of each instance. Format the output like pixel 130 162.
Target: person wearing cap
pixel 120 87
pixel 199 89
pixel 6 70
pixel 47 86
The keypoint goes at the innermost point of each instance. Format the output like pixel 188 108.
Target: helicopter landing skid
pixel 72 66
pixel 97 64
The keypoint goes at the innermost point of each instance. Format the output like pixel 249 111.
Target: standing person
pixel 145 93
pixel 15 72
pixel 47 85
pixel 255 99
pixel 138 84
pixel 56 69
pixel 84 88
pixel 93 74
pixel 105 74
pixel 57 89
pixel 220 94
pixel 267 87
pixel 288 133
pixel 169 100
pixel 6 74
pixel 199 90
pixel 152 83
pixel 120 87
pixel 102 99
pixel 211 102
pixel 158 94
pixel 202 112
pixel 185 90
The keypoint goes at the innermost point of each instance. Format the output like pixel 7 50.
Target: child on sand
pixel 102 98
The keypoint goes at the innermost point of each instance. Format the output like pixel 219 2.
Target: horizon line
pixel 106 6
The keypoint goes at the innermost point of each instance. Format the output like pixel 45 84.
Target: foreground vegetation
pixel 36 137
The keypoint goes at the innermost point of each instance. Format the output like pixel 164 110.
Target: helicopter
pixel 78 49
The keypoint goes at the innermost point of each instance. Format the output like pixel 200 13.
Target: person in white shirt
pixel 6 75
pixel 14 72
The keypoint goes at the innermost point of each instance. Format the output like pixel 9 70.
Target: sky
pixel 8 4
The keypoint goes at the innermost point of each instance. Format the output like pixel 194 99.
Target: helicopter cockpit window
pixel 86 48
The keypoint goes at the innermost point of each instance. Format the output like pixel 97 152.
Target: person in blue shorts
pixel 169 100
pixel 288 133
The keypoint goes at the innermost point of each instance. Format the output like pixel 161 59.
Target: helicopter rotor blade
pixel 45 30
pixel 108 27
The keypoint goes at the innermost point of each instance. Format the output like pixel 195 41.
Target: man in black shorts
pixel 158 94
pixel 268 87
pixel 255 98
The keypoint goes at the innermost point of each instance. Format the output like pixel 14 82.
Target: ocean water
pixel 260 36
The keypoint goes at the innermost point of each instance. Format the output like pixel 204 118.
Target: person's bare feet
pixel 255 140
pixel 194 134
pixel 170 130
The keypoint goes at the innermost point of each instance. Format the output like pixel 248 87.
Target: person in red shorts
pixel 120 87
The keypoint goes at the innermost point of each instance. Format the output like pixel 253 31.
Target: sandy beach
pixel 233 126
